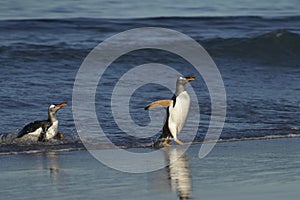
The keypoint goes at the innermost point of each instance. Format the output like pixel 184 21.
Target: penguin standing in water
pixel 177 111
pixel 46 129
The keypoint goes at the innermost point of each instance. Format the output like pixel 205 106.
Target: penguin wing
pixel 33 126
pixel 163 103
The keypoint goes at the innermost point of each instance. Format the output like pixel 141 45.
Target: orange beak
pixel 62 105
pixel 190 78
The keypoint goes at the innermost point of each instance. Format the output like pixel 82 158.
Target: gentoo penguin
pixel 46 129
pixel 177 111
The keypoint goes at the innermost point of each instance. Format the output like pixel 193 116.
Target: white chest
pixel 52 130
pixel 178 114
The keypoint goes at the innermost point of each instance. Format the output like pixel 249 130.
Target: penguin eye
pixel 52 106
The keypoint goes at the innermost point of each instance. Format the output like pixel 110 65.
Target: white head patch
pixel 52 106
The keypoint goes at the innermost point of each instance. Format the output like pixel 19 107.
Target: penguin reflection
pixel 179 172
pixel 58 177
pixel 52 165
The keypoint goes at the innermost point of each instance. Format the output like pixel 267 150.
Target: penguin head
pixel 184 80
pixel 53 108
pixel 180 84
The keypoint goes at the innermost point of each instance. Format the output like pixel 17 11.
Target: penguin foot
pixel 166 143
pixel 60 136
pixel 180 142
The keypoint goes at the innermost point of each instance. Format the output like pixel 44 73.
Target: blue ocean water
pixel 142 9
pixel 256 46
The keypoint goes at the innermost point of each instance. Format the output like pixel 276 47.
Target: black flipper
pixel 45 127
pixel 166 133
pixel 42 137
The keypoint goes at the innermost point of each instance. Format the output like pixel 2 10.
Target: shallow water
pixel 267 169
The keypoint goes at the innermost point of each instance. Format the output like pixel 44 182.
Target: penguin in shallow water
pixel 177 111
pixel 46 129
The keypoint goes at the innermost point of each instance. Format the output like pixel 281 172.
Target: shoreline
pixel 79 146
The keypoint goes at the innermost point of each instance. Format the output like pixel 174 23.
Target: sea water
pixel 255 45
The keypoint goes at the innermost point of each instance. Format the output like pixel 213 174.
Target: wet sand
pixel 262 169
